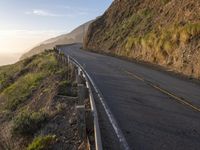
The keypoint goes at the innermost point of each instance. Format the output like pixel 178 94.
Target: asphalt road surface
pixel 152 109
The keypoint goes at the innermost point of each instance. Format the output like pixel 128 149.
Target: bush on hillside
pixel 42 142
pixel 27 123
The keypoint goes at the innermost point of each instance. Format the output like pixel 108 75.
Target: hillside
pixel 162 32
pixel 76 36
pixel 37 105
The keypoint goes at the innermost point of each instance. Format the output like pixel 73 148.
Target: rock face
pixel 163 32
pixel 76 36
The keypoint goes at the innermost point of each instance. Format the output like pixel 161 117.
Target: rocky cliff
pixel 163 32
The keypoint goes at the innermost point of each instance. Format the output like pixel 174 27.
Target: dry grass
pixel 6 142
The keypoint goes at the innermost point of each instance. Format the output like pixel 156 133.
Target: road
pixel 153 110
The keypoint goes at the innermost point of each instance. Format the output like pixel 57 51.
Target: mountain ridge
pixel 75 36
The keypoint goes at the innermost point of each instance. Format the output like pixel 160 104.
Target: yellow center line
pixel 184 102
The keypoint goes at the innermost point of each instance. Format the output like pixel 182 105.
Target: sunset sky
pixel 25 23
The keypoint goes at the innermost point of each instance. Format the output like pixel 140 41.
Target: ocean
pixel 6 59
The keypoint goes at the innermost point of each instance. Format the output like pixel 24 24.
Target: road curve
pixel 153 110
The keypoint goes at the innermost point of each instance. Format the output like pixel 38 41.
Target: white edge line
pixel 115 126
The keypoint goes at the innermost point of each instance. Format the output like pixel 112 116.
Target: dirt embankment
pixel 37 105
pixel 162 32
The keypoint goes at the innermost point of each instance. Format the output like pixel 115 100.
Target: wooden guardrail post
pixel 81 111
pixel 73 71
pixel 78 79
pixel 87 119
pixel 77 76
pixel 82 93
pixel 65 59
pixel 81 123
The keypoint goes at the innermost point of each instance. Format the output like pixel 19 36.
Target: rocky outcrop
pixel 163 32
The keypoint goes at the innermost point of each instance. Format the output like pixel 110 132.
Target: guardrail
pixel 81 71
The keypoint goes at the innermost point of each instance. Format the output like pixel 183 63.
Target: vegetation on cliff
pixel 36 107
pixel 163 32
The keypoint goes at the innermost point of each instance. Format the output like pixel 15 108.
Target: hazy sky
pixel 25 23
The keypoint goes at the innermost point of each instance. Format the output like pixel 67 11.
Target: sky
pixel 26 23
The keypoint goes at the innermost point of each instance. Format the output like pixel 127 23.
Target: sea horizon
pixel 9 58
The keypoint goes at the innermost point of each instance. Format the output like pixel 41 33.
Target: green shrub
pixel 63 88
pixel 18 92
pixel 27 123
pixel 42 142
pixel 66 88
pixel 45 62
pixel 7 73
